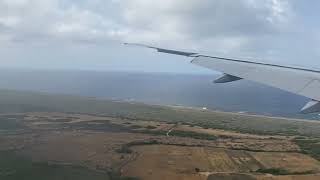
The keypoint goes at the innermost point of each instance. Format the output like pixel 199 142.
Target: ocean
pixel 190 90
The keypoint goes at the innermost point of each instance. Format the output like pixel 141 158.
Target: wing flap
pixel 289 79
pixel 227 78
pixel 311 107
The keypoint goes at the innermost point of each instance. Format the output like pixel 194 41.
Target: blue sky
pixel 88 34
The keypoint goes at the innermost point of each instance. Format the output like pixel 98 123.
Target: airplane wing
pixel 301 81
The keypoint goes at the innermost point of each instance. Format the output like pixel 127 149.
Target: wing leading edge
pixel 301 81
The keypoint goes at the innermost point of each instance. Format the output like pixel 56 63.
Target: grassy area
pixel 14 167
pixel 280 171
pixel 106 126
pixel 150 127
pixel 125 149
pixel 309 146
pixel 193 135
pixel 176 133
pixel 12 101
pixel 99 125
pixel 152 132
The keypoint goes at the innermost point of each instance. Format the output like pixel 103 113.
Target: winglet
pixel 168 51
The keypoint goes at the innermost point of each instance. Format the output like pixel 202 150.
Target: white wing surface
pixel 301 81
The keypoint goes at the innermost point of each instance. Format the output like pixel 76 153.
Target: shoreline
pixel 177 107
pixel 199 109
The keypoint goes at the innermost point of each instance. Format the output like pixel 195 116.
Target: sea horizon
pixel 158 88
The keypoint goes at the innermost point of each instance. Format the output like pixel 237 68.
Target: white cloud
pixel 280 10
pixel 253 27
pixel 34 20
pixel 9 21
pixel 163 21
pixel 227 25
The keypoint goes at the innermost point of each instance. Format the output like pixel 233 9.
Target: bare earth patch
pixel 165 162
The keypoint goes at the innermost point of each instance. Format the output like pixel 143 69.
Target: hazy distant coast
pixel 188 90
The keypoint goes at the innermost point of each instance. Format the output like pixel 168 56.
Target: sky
pixel 89 34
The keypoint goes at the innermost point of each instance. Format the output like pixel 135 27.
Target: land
pixel 45 136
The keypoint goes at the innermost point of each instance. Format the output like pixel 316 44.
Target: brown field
pixel 94 142
pixel 294 162
pixel 174 162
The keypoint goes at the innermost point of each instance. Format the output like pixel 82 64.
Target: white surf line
pixel 170 130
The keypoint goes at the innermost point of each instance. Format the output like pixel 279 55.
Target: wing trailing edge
pixel 162 50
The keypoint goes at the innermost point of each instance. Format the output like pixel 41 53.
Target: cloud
pixel 227 22
pixel 37 20
pixel 259 28
pixel 143 20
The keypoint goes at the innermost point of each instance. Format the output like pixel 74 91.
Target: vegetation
pixel 151 127
pixel 136 127
pixel 193 135
pixel 280 171
pixel 137 143
pixel 60 120
pixel 152 132
pixel 309 146
pixel 13 101
pixel 125 149
pixel 104 126
pixel 14 167
pixel 176 133
pixel 274 171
